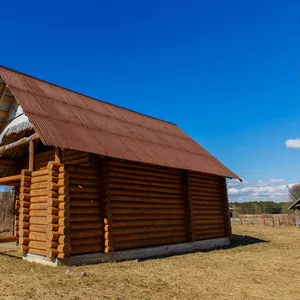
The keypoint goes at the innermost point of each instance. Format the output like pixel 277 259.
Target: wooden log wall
pixel 68 157
pixel 47 196
pixel 145 206
pixel 209 206
pixel 58 222
pixel 86 214
pixel 17 210
pixel 24 211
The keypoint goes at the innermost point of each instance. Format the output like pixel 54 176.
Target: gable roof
pixel 66 119
pixel 295 204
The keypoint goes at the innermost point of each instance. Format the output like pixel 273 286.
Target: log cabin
pixel 96 182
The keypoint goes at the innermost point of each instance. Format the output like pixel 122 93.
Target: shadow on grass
pixel 238 240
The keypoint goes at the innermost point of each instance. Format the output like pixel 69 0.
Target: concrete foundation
pixel 142 253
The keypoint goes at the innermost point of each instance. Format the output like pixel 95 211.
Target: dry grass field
pixel 253 270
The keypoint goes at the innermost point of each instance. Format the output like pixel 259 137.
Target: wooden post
pixel 58 154
pixel 227 223
pixel 106 201
pixel 188 203
pixel 31 156
pixel 3 93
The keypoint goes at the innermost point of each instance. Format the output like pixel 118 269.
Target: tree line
pixel 261 207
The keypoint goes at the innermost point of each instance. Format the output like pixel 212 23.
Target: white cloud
pixel 257 193
pixel 236 182
pixel 293 143
pixel 270 181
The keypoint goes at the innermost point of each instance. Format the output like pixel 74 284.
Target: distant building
pixel 296 207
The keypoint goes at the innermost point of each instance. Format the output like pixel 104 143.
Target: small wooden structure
pixel 95 182
pixel 296 207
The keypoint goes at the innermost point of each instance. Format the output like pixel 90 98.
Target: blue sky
pixel 227 72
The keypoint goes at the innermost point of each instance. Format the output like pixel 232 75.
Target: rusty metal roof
pixel 67 119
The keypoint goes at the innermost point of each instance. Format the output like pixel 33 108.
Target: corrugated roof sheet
pixel 71 120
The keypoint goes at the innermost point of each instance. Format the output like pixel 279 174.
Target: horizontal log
pixel 214 220
pixel 63 230
pixel 142 181
pixel 38 221
pixel 207 212
pixel 63 240
pixel 148 242
pixel 145 189
pixel 146 206
pixel 87 241
pixel 52 253
pixel 63 198
pixel 40 173
pixel 84 196
pixel 166 201
pixel 23 248
pixel 199 237
pixel 24 196
pixel 52 211
pixel 23 225
pixel 82 234
pixel 52 227
pixel 24 203
pixel 63 248
pixel 85 218
pixel 40 192
pixel 53 202
pixel 146 178
pixel 8 239
pixel 25 178
pixel 9 178
pixel 158 211
pixel 24 210
pixel 86 249
pixel 23 217
pixel 39 206
pixel 52 219
pixel 84 189
pixel 37 236
pixel 38 213
pixel 85 182
pixel 86 225
pixel 37 245
pixel 23 232
pixel 39 199
pixel 85 176
pixel 160 195
pixel 128 217
pixel 148 230
pixel 37 252
pixel 142 167
pixel 84 203
pixel 24 190
pixel 38 228
pixel 52 244
pixel 63 213
pixel 79 169
pixel 123 237
pixel 23 240
pixel 204 227
pixel 63 191
pixel 40 185
pixel 142 223
pixel 85 210
pixel 63 176
pixel 79 161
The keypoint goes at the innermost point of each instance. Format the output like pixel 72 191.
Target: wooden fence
pixel 265 220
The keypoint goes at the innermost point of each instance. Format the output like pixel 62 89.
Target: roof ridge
pixel 90 97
